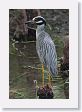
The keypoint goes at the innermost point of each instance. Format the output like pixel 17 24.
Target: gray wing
pixel 50 56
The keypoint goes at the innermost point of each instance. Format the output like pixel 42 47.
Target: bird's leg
pixel 42 75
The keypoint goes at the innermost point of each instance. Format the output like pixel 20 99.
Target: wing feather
pixel 50 56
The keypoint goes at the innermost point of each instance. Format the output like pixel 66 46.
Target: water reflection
pixel 21 76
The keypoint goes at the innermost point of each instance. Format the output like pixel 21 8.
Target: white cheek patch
pixel 33 19
pixel 39 22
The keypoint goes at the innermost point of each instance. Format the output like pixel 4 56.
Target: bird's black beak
pixel 31 21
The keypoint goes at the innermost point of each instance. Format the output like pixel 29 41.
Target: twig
pixel 19 77
pixel 35 68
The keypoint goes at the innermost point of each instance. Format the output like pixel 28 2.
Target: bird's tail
pixel 53 71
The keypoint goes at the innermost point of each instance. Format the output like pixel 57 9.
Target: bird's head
pixel 38 20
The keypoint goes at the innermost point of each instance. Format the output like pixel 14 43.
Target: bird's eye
pixel 35 20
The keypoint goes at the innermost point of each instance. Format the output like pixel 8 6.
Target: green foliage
pixel 59 46
pixel 17 94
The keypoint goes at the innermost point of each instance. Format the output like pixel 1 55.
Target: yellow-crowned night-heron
pixel 45 46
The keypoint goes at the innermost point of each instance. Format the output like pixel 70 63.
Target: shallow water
pixel 24 64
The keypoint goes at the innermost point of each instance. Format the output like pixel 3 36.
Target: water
pixel 22 58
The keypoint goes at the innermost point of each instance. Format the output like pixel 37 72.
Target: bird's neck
pixel 40 29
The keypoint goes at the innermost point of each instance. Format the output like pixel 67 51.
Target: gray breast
pixel 40 46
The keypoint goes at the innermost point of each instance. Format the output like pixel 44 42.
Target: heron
pixel 45 47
